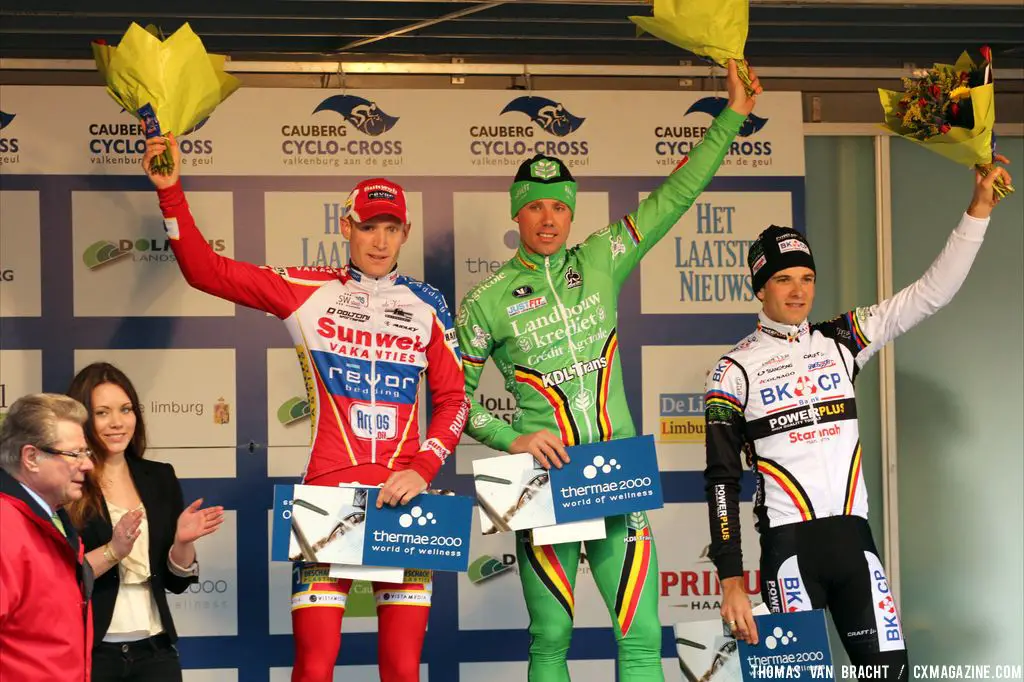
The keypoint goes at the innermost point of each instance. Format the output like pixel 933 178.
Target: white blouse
pixel 136 615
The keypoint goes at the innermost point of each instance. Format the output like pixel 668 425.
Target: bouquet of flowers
pixel 713 29
pixel 950 109
pixel 169 84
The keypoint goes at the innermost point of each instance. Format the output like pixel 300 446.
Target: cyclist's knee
pixel 642 637
pixel 399 664
pixel 313 666
pixel 550 636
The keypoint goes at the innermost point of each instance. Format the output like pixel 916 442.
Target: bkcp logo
pixel 320 144
pixel 507 145
pixel 105 252
pixel 8 145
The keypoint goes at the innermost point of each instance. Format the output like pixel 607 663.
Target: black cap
pixel 775 249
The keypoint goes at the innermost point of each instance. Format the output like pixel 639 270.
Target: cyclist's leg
pixel 863 608
pixel 548 575
pixel 402 613
pixel 789 577
pixel 625 567
pixel 318 604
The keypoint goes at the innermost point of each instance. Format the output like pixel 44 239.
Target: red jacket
pixel 45 582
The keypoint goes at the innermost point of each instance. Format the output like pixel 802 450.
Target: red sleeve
pixel 447 397
pixel 272 290
pixel 10 576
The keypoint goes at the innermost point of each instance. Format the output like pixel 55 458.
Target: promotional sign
pixel 344 526
pixel 790 645
pixel 601 479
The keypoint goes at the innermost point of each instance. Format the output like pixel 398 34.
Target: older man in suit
pixel 45 619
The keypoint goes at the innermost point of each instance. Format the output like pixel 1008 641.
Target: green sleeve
pixel 477 345
pixel 622 244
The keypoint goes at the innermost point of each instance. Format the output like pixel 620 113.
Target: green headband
pixel 525 191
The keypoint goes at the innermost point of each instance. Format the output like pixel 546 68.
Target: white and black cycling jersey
pixel 785 396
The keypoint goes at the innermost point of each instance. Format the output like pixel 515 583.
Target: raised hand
pixel 155 146
pixel 739 100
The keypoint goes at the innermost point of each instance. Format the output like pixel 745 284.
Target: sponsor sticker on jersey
pixel 526 306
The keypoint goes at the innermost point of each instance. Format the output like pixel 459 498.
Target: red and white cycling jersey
pixel 363 344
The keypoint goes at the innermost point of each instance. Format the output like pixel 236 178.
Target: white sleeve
pixel 881 323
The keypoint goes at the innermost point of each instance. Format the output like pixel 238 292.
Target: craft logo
pixel 675 141
pixel 105 252
pixel 486 567
pixel 682 417
pixel 9 146
pixel 326 142
pixel 124 144
pixel 700 590
pixel 712 264
pixel 552 133
pixel 331 249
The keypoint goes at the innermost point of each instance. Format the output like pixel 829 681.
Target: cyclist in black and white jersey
pixel 784 398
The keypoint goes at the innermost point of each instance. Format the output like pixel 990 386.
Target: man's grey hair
pixel 32 420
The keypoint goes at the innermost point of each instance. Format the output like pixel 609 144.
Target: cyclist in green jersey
pixel 548 318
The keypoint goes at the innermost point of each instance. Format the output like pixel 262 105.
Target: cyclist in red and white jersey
pixel 365 336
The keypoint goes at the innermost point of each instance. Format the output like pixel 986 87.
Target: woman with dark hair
pixel 139 536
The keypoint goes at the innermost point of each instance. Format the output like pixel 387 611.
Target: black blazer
pixel 160 492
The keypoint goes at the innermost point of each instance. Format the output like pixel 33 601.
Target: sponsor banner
pixel 790 645
pixel 516 671
pixel 123 264
pixel 187 394
pixel 344 526
pixel 209 608
pixel 303 229
pixel 673 402
pixel 306 131
pixel 20 256
pixel 348 673
pixel 21 372
pixel 210 675
pixel 602 479
pixel 688 586
pixel 700 266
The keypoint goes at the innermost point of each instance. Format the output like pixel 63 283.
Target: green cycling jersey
pixel 550 325
pixel 549 322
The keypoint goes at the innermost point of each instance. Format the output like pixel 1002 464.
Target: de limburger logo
pixel 486 567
